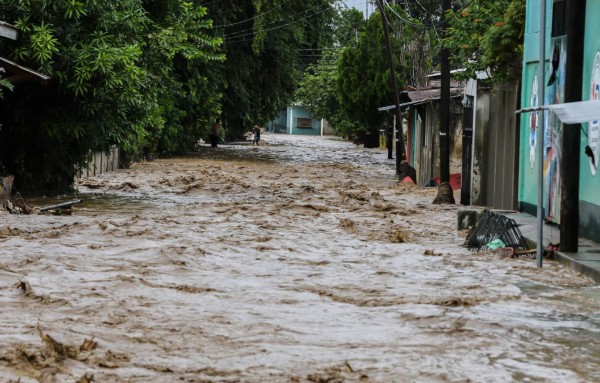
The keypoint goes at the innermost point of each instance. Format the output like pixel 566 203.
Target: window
pixel 304 123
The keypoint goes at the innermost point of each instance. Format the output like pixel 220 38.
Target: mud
pixel 301 260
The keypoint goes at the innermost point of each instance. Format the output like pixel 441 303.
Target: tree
pixel 318 91
pixel 126 72
pixel 364 76
pixel 488 36
pixel 266 44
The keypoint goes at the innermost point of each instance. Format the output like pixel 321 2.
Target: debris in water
pixel 25 287
pixel 493 226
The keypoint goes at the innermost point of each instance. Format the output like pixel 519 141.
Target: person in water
pixel 255 135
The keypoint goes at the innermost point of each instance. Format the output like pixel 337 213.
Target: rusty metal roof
pixel 423 96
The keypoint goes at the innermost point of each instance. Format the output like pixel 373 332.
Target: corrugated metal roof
pixel 422 96
pixel 16 73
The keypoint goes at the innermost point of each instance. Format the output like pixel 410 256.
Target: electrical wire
pixel 252 18
pixel 250 31
pixel 412 23
pixel 211 3
pixel 233 38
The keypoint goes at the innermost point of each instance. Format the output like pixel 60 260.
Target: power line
pixel 235 36
pixel 211 3
pixel 246 32
pixel 252 18
pixel 409 22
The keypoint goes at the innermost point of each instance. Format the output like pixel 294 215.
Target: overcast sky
pixel 359 4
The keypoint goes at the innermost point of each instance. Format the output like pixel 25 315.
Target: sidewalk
pixel 585 261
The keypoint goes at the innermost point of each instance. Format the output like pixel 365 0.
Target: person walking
pixel 255 135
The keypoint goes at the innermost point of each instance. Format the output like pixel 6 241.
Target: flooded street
pixel 302 260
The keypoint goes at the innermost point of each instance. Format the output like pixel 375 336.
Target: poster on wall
pixel 594 126
pixel 533 121
pixel 555 94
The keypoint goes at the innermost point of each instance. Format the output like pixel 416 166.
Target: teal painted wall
pixel 589 182
pixel 300 112
pixel 589 177
pixel 528 178
pixel 279 124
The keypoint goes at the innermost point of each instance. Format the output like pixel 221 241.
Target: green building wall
pixel 589 184
pixel 528 173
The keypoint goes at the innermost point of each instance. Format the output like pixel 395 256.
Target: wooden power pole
pixel 400 152
pixel 445 193
pixel 445 106
pixel 571 137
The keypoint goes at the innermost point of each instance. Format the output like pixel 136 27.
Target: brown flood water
pixel 302 260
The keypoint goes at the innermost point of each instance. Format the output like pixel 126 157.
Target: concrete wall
pixel 287 122
pixel 589 176
pixel 529 122
pixel 589 198
pixel 279 124
pixel 296 112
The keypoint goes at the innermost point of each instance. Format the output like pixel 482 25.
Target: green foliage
pixel 364 76
pixel 318 91
pixel 129 72
pixel 4 84
pixel 488 36
pixel 268 44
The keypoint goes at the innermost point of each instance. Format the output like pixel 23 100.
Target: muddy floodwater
pixel 301 260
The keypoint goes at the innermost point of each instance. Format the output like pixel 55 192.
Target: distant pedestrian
pixel 255 135
pixel 214 133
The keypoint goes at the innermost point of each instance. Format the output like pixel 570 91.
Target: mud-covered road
pixel 302 260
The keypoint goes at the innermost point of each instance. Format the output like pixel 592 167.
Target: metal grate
pixel 493 226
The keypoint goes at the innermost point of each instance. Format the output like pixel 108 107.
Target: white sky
pixel 359 4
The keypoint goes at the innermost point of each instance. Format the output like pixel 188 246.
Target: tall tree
pixel 266 44
pixel 488 36
pixel 123 70
pixel 364 75
pixel 318 91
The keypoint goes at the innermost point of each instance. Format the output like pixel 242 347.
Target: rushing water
pixel 302 260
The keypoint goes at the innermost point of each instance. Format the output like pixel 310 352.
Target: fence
pixel 101 162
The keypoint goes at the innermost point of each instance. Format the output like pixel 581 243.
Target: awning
pixel 423 96
pixel 16 73
pixel 391 107
pixel 571 112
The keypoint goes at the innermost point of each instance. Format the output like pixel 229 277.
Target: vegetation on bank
pixel 151 76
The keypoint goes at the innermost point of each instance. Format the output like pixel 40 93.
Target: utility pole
pixel 400 152
pixel 445 193
pixel 571 136
pixel 445 104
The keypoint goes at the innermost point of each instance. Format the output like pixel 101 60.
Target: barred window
pixel 304 123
